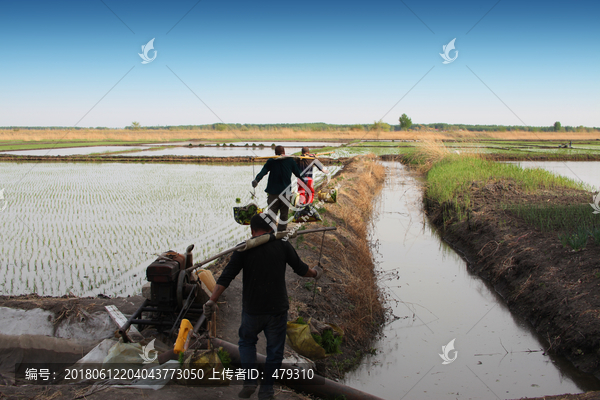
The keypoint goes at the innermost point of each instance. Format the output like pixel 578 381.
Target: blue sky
pixel 340 62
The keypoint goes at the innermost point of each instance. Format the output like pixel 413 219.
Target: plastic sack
pixel 201 367
pixel 98 353
pixel 328 196
pixel 150 383
pixel 300 339
pixel 126 353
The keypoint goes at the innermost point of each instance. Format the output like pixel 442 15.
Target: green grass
pixel 451 178
pixel 330 343
pixel 595 232
pixel 576 240
pixel 224 357
pixel 564 218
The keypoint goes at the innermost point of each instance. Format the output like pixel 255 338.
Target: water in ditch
pixel 435 300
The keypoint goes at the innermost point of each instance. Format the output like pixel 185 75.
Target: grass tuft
pixel 576 240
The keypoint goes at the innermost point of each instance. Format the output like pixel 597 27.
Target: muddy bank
pixel 347 295
pixel 149 159
pixel 552 287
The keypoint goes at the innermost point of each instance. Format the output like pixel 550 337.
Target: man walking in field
pixel 264 301
pixel 280 172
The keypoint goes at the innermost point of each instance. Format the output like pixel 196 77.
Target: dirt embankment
pixel 553 287
pixel 347 295
pixel 149 159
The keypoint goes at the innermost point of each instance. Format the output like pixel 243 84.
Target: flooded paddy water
pixel 587 172
pixel 90 228
pixel 211 151
pixel 435 300
pixel 235 149
pixel 72 151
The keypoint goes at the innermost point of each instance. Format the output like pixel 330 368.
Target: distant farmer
pixel 264 301
pixel 280 172
pixel 307 182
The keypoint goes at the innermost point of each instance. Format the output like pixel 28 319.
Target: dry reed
pixel 353 211
pixel 278 134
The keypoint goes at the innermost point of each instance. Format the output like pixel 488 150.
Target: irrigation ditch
pixel 553 287
pixel 538 249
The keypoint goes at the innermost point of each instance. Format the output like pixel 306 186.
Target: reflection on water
pixel 180 149
pixel 250 143
pixel 434 299
pixel 582 171
pixel 211 151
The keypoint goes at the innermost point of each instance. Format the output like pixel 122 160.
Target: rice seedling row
pixel 93 228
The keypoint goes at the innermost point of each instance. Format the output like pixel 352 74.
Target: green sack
pixel 243 215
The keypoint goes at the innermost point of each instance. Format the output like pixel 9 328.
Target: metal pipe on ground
pixel 328 389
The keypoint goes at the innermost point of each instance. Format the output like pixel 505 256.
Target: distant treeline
pixel 321 126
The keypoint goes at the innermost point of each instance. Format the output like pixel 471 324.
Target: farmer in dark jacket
pixel 264 300
pixel 278 189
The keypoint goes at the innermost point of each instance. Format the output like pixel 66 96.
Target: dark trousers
pixel 274 327
pixel 276 204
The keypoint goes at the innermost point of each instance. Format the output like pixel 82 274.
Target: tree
pixel 557 126
pixel 380 126
pixel 405 122
pixel 135 125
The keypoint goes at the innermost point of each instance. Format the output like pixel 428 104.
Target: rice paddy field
pixel 514 149
pixel 494 147
pixel 91 228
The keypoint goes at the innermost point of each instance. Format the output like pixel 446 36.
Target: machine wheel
pixel 182 279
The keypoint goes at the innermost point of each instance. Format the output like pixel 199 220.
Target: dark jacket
pixel 264 268
pixel 280 172
pixel 304 164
